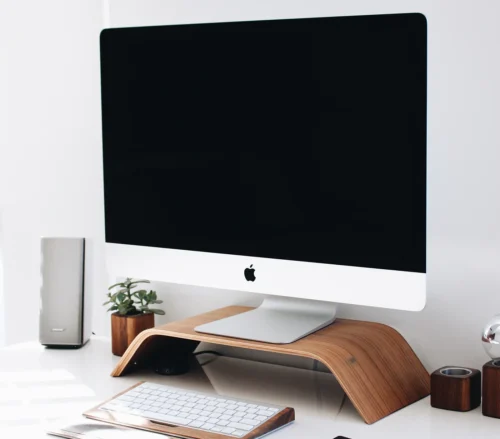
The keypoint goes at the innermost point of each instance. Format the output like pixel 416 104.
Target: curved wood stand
pixel 373 363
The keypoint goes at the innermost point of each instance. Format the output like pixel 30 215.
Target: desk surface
pixel 39 386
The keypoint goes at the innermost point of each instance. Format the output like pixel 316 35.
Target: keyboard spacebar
pixel 168 419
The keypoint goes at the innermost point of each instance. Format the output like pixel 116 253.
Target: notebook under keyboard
pixel 176 407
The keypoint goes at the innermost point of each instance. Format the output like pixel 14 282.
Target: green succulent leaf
pixel 126 301
pixel 140 281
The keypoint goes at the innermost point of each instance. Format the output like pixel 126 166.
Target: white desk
pixel 38 386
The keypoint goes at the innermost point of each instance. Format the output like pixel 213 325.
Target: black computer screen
pixel 297 139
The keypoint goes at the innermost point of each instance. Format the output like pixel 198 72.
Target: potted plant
pixel 132 314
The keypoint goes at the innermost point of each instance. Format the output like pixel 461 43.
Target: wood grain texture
pixel 491 390
pixel 284 417
pixel 373 363
pixel 125 328
pixel 457 393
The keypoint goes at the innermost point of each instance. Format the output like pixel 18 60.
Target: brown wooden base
pixel 491 389
pixel 373 363
pixel 456 388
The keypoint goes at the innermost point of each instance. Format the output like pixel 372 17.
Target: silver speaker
pixel 62 293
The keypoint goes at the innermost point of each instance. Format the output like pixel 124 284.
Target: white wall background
pixel 50 160
pixel 50 150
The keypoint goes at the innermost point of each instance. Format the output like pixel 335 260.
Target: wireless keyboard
pixel 189 414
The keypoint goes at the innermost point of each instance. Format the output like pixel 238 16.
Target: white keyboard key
pixel 239 433
pixel 215 415
pixel 171 412
pixel 252 411
pixel 227 430
pixel 200 406
pixel 195 411
pixel 219 410
pixel 213 421
pixel 230 412
pixel 223 423
pixel 252 406
pixel 117 403
pixel 273 410
pixel 250 422
pixel 196 424
pixel 205 413
pixel 236 419
pixel 225 417
pixel 203 418
pixel 240 414
pixel 265 413
pixel 185 409
pixel 261 407
pixel 261 418
pixel 243 404
pixel 183 415
pixel 167 418
pixel 193 417
pixel 207 426
pixel 190 405
pixel 232 407
pixel 210 398
pixel 212 403
pixel 249 416
pixel 217 428
pixel 240 426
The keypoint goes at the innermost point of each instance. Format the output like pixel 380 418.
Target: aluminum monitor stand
pixel 277 320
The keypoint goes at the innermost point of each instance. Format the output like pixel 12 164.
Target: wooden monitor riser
pixel 373 363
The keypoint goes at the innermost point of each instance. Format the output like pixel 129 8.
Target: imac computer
pixel 280 157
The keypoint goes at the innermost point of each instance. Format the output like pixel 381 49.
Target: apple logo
pixel 250 273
